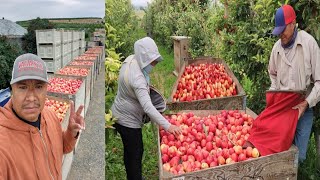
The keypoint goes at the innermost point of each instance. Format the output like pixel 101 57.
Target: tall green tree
pixel 8 53
pixel 121 16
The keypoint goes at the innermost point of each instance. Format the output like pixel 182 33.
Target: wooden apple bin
pixel 93 72
pixel 90 57
pixel 67 158
pixel 88 83
pixel 232 102
pixel 279 166
pixel 96 55
pixel 65 121
pixel 78 98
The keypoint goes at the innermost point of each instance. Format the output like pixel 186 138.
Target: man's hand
pixel 301 107
pixel 76 121
pixel 175 130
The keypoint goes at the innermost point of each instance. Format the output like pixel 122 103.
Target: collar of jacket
pixel 13 122
pixel 297 41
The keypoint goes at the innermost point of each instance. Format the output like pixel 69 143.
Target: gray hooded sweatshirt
pixel 133 99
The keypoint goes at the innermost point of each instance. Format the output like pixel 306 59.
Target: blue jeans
pixel 302 135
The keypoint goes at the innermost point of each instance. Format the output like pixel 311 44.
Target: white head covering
pixel 146 51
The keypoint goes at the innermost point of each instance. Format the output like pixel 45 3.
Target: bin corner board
pixel 66 164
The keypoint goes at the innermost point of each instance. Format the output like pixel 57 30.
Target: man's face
pixel 28 98
pixel 287 34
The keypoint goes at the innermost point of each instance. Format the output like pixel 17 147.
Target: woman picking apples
pixel 133 101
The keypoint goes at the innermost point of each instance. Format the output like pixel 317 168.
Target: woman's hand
pixel 175 130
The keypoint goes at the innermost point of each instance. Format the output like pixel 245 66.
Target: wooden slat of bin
pixel 279 166
pixel 232 102
pixel 78 98
pixel 66 164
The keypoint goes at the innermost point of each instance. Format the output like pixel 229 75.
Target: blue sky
pixel 16 10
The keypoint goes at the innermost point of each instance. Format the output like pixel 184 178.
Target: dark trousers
pixel 133 150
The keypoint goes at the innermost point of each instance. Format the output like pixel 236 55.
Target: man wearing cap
pixel 133 101
pixel 32 142
pixel 294 65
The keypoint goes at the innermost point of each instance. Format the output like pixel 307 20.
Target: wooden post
pixel 181 46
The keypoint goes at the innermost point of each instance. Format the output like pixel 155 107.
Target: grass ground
pixel 308 169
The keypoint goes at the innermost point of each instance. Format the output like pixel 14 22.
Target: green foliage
pixel 29 43
pixel 111 78
pixel 8 53
pixel 308 16
pixel 308 169
pixel 240 34
pixel 121 16
pixel 112 67
pixel 167 18
pixel 246 44
pixel 112 40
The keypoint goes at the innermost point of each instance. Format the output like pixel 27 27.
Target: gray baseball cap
pixel 29 66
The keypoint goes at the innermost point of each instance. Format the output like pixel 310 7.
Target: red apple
pixel 221 160
pixel 241 157
pixel 255 153
pixel 249 151
pixel 165 158
pixel 204 165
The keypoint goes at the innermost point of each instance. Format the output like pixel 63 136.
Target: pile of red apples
pixel 204 81
pixel 59 107
pixel 64 85
pixel 206 142
pixel 74 71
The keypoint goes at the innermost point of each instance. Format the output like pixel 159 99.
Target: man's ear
pixel 294 22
